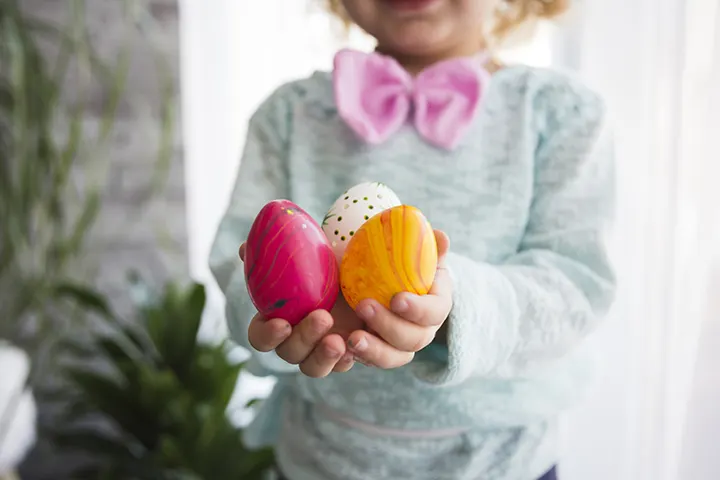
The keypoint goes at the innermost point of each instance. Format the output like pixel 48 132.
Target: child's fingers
pixel 442 285
pixel 324 357
pixel 443 245
pixel 265 335
pixel 345 364
pixel 371 350
pixel 428 310
pixel 305 336
pixel 398 332
pixel 432 309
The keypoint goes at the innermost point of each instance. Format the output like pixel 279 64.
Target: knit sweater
pixel 526 199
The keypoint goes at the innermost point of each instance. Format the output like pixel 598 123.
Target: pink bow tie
pixel 375 96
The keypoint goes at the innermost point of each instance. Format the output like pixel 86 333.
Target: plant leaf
pixel 94 442
pixel 173 326
pixel 212 378
pixel 186 336
pixel 117 402
pixel 83 296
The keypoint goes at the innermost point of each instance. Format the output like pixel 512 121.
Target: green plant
pixel 52 173
pixel 48 305
pixel 46 211
pixel 164 394
pixel 44 220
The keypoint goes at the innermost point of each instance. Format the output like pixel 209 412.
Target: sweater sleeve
pixel 541 302
pixel 262 177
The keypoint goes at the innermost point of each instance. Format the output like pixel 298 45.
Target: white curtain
pixel 656 61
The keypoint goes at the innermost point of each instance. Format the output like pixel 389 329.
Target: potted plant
pixel 46 212
pixel 153 405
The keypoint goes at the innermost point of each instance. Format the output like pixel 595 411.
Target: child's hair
pixel 511 17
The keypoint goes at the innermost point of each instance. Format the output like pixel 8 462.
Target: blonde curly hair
pixel 511 17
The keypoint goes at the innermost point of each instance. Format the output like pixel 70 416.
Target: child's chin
pixel 416 41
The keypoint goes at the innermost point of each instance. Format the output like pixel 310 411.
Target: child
pixel 512 164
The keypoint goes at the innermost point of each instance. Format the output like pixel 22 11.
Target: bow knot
pixel 375 96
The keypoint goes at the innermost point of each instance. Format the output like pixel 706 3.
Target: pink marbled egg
pixel 290 268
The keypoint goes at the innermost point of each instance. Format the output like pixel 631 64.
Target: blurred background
pixel 121 126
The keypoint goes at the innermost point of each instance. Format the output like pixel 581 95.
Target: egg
pixel 352 209
pixel 393 252
pixel 290 268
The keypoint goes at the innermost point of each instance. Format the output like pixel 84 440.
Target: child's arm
pixel 542 301
pixel 262 177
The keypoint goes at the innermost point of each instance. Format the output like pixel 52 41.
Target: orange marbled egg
pixel 392 252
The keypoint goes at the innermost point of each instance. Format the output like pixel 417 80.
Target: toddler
pixel 510 163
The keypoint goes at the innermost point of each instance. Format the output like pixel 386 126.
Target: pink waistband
pixel 389 432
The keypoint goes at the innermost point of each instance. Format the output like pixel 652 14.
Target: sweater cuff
pixel 481 328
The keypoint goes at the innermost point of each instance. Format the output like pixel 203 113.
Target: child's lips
pixel 410 5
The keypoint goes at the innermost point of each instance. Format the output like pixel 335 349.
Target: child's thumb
pixel 443 245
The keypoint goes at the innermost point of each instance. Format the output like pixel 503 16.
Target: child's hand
pixel 410 326
pixel 312 344
pixel 309 345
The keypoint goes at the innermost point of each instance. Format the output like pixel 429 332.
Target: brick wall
pixel 135 230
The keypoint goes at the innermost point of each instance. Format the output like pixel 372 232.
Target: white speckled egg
pixel 352 209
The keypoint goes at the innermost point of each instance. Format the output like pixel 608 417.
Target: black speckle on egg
pixel 337 232
pixel 342 238
pixel 280 303
pixel 365 198
pixel 367 217
pixel 370 207
pixel 355 201
pixel 352 233
pixel 347 197
pixel 339 219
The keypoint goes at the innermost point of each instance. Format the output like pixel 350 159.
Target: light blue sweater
pixel 526 199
